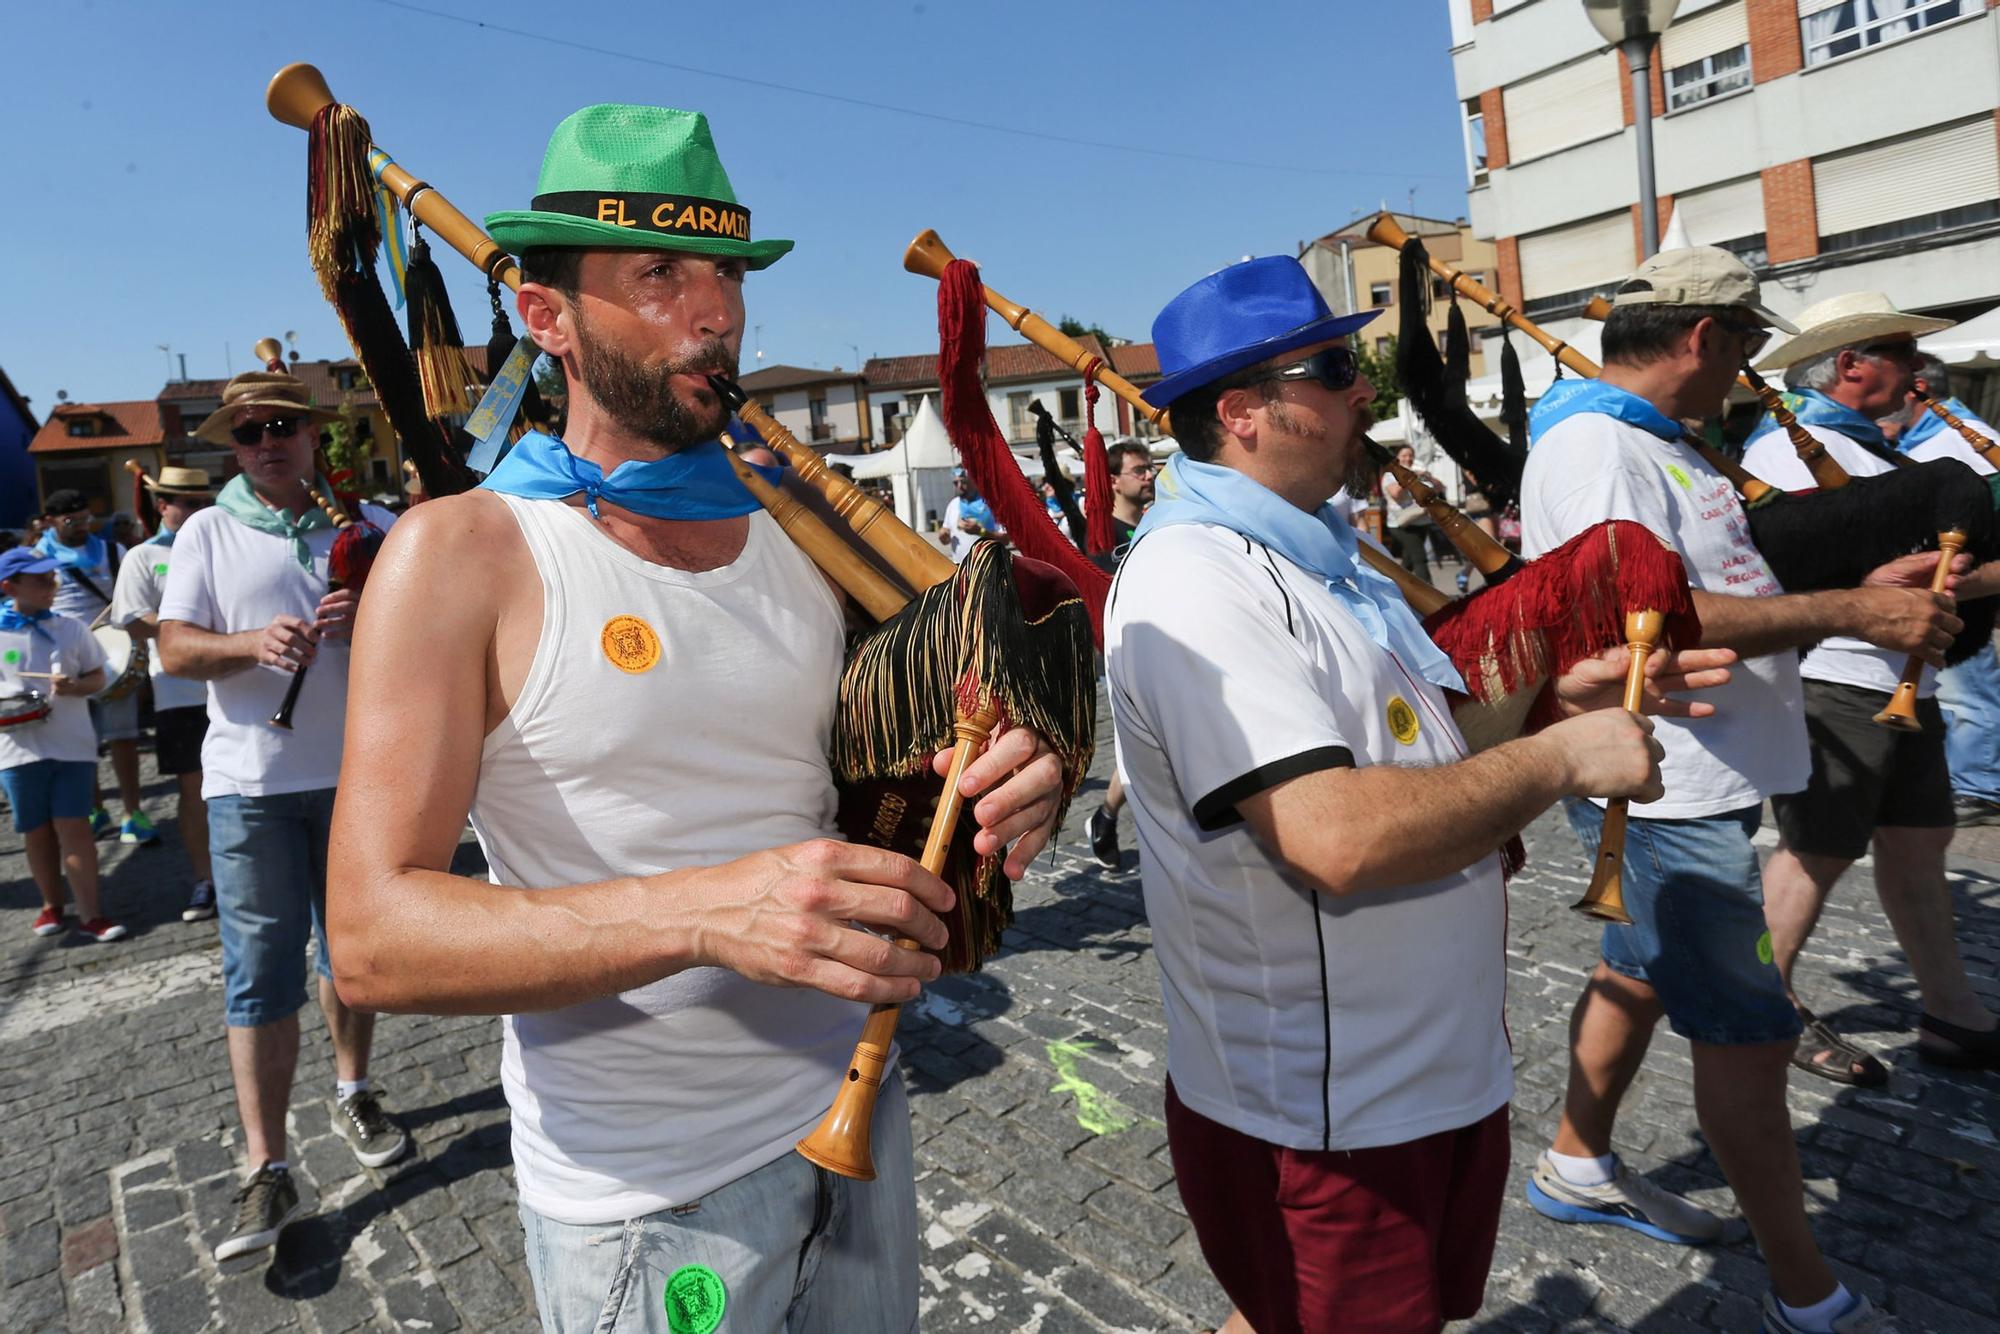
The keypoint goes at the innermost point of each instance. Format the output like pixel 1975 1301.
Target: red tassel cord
pixel 1096 471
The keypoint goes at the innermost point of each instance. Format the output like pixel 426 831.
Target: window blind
pixel 1724 212
pixel 1571 258
pixel 1563 107
pixel 1708 33
pixel 1926 173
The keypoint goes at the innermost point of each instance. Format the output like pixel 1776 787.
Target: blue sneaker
pixel 1624 1201
pixel 201 902
pixel 100 823
pixel 138 829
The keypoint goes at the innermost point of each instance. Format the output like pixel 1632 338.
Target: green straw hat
pixel 635 178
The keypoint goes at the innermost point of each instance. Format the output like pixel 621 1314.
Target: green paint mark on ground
pixel 1096 1111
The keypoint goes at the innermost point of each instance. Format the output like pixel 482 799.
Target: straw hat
pixel 1843 321
pixel 181 482
pixel 260 389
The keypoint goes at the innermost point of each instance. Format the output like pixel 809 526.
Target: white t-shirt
pixel 1949 444
pixel 142 578
pixel 63 644
pixel 962 541
pixel 228 577
pixel 1839 659
pixel 1298 1018
pixel 73 599
pixel 1589 468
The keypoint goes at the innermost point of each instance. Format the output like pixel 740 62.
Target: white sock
pixel 1820 1315
pixel 277 1165
pixel 1584 1171
pixel 344 1089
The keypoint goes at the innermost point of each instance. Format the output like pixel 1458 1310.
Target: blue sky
pixel 157 203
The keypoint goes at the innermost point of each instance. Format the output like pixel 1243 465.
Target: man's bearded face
pixel 641 398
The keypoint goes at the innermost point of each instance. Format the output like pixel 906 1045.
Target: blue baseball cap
pixel 24 560
pixel 1237 317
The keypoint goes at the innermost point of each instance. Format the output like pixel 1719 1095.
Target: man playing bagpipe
pixel 1320 853
pixel 1854 363
pixel 616 663
pixel 1697 950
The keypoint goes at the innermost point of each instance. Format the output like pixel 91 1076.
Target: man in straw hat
pixel 1855 362
pixel 1696 951
pixel 180 707
pixel 1318 853
pixel 633 701
pixel 245 607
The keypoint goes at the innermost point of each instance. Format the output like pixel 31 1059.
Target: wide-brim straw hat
pixel 1843 321
pixel 181 482
pixel 260 389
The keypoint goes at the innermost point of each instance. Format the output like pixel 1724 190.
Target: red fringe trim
pixel 1098 533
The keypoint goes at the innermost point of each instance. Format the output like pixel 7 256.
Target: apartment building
pixel 1354 273
pixel 1834 144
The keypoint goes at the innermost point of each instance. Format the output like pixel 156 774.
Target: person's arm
pixel 1894 610
pixel 196 653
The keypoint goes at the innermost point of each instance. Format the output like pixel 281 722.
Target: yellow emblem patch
pixel 630 644
pixel 1402 720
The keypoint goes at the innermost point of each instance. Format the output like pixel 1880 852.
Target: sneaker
pixel 1860 1318
pixel 376 1140
pixel 1975 812
pixel 102 928
pixel 267 1202
pixel 1624 1201
pixel 1102 830
pixel 138 829
pixel 100 823
pixel 49 922
pixel 201 902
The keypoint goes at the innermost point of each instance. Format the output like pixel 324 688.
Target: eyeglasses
pixel 1142 470
pixel 279 428
pixel 1754 336
pixel 1334 367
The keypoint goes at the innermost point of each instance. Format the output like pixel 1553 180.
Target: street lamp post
pixel 1633 26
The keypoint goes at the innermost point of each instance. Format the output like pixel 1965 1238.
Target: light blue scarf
pixel 1931 424
pixel 693 483
pixel 88 557
pixel 1813 408
pixel 240 502
pixel 1567 398
pixel 163 538
pixel 1321 542
pixel 13 618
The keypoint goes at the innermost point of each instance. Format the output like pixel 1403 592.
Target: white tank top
pixel 670 719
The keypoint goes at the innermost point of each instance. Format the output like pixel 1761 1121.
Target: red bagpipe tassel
pixel 1096 471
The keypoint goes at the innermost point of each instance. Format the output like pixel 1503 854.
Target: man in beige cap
pixel 1696 952
pixel 1854 363
pixel 245 607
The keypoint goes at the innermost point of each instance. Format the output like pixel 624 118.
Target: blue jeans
pixel 789 1247
pixel 1970 696
pixel 270 895
pixel 1696 898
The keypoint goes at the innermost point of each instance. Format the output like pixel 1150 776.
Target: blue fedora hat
pixel 1237 317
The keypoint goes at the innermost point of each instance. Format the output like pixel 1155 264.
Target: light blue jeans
pixel 270 896
pixel 1969 694
pixel 795 1249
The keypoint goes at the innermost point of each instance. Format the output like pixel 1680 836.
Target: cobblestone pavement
pixel 1047 1198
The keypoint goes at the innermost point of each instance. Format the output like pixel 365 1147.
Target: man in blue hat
pixel 1318 846
pixel 632 703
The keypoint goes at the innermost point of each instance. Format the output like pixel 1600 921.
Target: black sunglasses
pixel 1334 367
pixel 1755 337
pixel 280 428
pixel 1903 351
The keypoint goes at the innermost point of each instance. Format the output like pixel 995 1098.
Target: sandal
pixel 1845 1063
pixel 1960 1048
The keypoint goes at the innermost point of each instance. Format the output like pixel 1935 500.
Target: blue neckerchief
pixel 1930 424
pixel 1813 408
pixel 163 538
pixel 1321 542
pixel 13 618
pixel 977 510
pixel 1567 398
pixel 694 483
pixel 88 557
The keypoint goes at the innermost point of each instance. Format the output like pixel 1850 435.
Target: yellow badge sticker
pixel 1402 720
pixel 630 644
pixel 1686 482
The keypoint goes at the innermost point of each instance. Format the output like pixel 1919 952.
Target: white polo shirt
pixel 1295 1017
pixel 1838 659
pixel 142 579
pixel 1591 467
pixel 1949 444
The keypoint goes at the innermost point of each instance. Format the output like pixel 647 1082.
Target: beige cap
pixel 1848 320
pixel 1702 275
pixel 180 482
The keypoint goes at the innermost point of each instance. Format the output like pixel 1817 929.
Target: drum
pixel 124 661
pixel 22 708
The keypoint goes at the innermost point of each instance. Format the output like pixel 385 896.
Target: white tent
pixel 917 467
pixel 1975 343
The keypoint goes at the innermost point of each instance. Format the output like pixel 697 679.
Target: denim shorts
pixel 788 1247
pixel 1698 938
pixel 44 790
pixel 269 855
pixel 116 719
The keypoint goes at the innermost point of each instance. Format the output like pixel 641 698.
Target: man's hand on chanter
pixel 1026 781
pixel 1599 682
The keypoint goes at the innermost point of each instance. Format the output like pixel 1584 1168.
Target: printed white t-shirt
pixel 1949 444
pixel 1839 659
pixel 63 644
pixel 1589 468
pixel 142 578
pixel 1299 1018
pixel 227 577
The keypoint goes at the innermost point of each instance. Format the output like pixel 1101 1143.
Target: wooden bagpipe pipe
pixel 958 652
pixel 1614 584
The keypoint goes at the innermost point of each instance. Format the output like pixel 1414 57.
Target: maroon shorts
pixel 1394 1239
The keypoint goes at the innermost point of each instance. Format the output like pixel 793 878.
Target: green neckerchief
pixel 242 504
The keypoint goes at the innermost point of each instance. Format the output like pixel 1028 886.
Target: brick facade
pixel 1482 10
pixel 1495 113
pixel 1654 77
pixel 1665 210
pixel 1791 223
pixel 1509 250
pixel 1776 49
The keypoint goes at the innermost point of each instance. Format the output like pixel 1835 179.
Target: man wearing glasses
pixel 246 606
pixel 1854 363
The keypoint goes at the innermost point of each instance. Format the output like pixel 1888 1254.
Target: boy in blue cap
pixel 47 767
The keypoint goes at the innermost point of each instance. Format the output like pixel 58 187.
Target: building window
pixel 1384 348
pixel 1846 26
pixel 1380 294
pixel 1475 142
pixel 1067 405
pixel 1019 425
pixel 1752 250
pixel 1924 224
pixel 1711 76
pixel 82 426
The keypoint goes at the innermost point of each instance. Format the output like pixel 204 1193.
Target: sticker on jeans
pixel 1402 720
pixel 1764 954
pixel 695 1299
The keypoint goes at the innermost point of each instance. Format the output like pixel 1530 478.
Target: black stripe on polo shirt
pixel 1218 810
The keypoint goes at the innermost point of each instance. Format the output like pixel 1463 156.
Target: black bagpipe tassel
pixel 1513 399
pixel 435 342
pixel 1457 352
pixel 1438 395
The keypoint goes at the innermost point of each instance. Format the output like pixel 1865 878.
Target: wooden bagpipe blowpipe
pixel 1986 449
pixel 959 652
